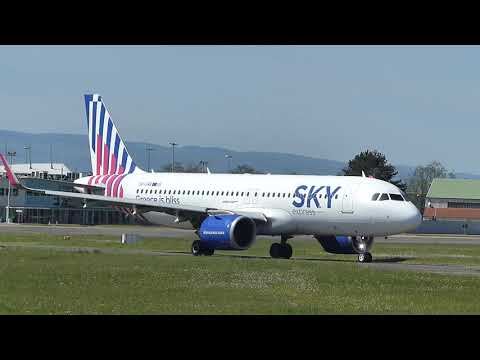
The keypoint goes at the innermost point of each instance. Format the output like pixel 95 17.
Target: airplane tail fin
pixel 108 152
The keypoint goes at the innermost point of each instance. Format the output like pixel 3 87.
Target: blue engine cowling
pixel 345 244
pixel 227 232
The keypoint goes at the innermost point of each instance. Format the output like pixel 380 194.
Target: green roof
pixel 454 189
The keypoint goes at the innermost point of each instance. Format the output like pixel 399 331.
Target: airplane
pixel 228 211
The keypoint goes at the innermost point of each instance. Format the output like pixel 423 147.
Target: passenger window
pixel 263 194
pixel 384 197
pixel 256 194
pixel 396 197
pixel 188 193
pixel 137 191
pixel 208 192
pixel 288 194
pixel 222 193
pixel 183 192
pixel 375 196
pixel 248 193
pixel 273 194
pixel 268 194
pixel 336 196
pixel 319 196
pixel 237 194
pixel 241 194
pixel 278 195
pixel 151 191
pixel 169 192
pixel 283 194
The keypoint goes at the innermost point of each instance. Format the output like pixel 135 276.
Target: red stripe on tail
pixel 109 184
pixel 99 153
pixel 113 164
pixel 105 159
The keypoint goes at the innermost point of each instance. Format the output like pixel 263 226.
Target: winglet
pixel 208 171
pixel 363 174
pixel 10 175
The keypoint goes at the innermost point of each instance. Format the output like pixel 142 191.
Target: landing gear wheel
pixel 275 250
pixel 283 251
pixel 287 251
pixel 196 248
pixel 365 258
pixel 208 252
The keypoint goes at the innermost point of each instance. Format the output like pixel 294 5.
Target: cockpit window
pixel 396 197
pixel 375 196
pixel 384 197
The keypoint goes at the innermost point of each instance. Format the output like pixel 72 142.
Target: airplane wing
pixel 160 207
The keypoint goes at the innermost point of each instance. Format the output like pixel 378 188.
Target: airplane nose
pixel 413 217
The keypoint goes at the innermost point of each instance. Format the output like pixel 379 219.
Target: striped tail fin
pixel 108 152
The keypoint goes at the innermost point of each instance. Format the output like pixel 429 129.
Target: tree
pixel 421 180
pixel 194 168
pixel 373 163
pixel 178 167
pixel 190 168
pixel 242 169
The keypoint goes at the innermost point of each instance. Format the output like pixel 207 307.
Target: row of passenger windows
pixel 211 193
pixel 383 197
pixel 218 193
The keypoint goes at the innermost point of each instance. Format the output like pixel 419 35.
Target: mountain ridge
pixel 71 149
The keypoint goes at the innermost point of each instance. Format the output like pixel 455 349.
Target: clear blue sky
pixel 413 103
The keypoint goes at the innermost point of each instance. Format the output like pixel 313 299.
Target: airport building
pixel 452 206
pixel 29 207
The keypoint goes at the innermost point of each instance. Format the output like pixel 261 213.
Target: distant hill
pixel 72 150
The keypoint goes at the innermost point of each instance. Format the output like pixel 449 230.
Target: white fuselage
pixel 294 204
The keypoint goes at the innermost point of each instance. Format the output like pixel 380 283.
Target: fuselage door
pixel 347 201
pixel 250 199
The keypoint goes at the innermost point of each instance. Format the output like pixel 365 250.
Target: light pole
pixel 204 165
pixel 51 157
pixel 29 149
pixel 11 154
pixel 229 160
pixel 173 155
pixel 148 149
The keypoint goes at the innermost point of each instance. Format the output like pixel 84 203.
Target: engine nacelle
pixel 227 232
pixel 345 244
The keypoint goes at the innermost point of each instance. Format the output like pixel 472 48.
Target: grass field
pixel 37 280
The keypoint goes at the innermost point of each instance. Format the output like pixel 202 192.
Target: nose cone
pixel 412 217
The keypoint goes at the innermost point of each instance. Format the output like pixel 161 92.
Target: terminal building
pixel 452 206
pixel 29 207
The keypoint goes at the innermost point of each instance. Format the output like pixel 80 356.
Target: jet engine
pixel 345 244
pixel 227 232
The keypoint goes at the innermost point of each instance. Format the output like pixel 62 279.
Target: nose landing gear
pixel 365 257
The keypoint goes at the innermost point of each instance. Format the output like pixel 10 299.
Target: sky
pixel 415 104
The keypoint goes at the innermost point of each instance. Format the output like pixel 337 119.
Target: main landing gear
pixel 199 249
pixel 282 250
pixel 365 257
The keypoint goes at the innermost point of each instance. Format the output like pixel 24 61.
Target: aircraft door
pixel 250 199
pixel 347 200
